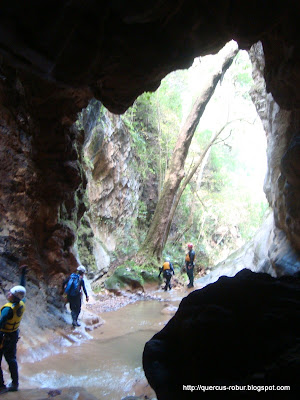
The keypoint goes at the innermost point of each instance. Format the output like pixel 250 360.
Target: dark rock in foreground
pixel 237 331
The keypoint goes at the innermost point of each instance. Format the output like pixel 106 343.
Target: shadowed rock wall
pixel 238 331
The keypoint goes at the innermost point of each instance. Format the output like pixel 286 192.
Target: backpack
pixel 73 285
pixel 166 266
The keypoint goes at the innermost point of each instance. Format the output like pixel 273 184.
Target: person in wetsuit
pixel 10 319
pixel 167 270
pixel 189 264
pixel 74 296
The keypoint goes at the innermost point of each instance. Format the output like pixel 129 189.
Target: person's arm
pixel 84 289
pixel 64 284
pixel 192 257
pixel 23 269
pixel 6 314
pixel 160 271
pixel 172 268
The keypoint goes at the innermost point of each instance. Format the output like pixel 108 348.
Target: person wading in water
pixel 167 270
pixel 10 319
pixel 189 264
pixel 73 287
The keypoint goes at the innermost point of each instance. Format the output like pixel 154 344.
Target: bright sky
pixel 227 105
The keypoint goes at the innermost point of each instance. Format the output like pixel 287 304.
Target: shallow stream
pixel 110 364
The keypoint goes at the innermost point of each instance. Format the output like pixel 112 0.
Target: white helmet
pixel 81 268
pixel 18 291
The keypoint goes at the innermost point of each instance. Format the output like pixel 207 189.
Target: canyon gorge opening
pixel 54 59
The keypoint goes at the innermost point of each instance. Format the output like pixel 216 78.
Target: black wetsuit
pixel 190 267
pixel 167 274
pixel 75 301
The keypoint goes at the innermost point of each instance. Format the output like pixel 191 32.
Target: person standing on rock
pixel 10 319
pixel 167 270
pixel 73 287
pixel 189 264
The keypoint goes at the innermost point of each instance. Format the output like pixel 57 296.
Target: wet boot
pixel 12 387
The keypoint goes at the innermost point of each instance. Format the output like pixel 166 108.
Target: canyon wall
pixel 56 57
pixel 114 185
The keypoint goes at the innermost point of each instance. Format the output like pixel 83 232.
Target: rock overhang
pixel 116 51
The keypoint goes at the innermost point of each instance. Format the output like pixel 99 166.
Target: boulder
pixel 237 331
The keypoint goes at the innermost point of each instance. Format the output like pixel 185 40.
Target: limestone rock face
pixel 113 187
pixel 282 180
pixel 237 331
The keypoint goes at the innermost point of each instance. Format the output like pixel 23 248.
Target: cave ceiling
pixel 114 50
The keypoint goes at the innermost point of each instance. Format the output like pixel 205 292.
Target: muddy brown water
pixel 109 365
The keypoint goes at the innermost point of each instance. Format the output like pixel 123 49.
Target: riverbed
pixel 109 365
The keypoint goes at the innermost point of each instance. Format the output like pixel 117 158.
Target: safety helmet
pixel 81 268
pixel 167 259
pixel 190 245
pixel 18 291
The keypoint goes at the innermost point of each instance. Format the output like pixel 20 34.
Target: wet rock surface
pixel 282 180
pixel 73 393
pixel 236 331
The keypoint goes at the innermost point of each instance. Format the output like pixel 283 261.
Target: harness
pixel 13 323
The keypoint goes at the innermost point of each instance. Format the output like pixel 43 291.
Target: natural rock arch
pixel 56 56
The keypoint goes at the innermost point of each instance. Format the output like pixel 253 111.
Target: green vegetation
pixel 132 276
pixel 85 242
pixel 223 205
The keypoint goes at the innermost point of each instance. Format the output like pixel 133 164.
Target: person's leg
pixel 189 276
pixel 168 284
pixel 192 277
pixel 2 385
pixel 10 354
pixel 73 309
pixel 77 309
pixel 166 287
pixel 166 281
pixel 190 273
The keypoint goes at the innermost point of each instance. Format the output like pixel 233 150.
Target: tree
pixel 157 234
pixel 188 178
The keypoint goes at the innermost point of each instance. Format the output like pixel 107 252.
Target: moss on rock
pixel 132 276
